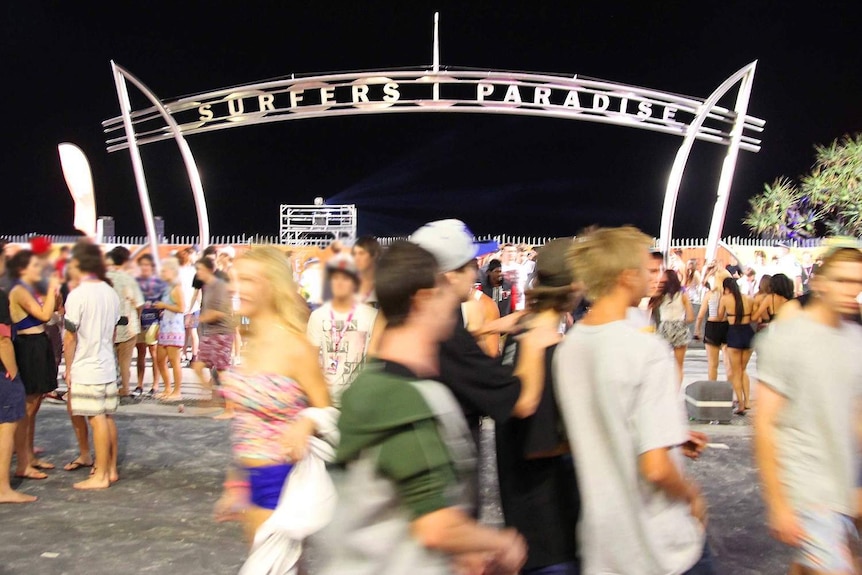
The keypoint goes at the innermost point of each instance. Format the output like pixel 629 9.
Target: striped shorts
pixel 91 400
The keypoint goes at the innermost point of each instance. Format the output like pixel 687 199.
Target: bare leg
pixel 24 468
pixel 124 358
pixel 34 402
pixel 163 368
pixel 177 366
pixel 746 381
pixel 679 352
pixel 82 435
pixel 200 371
pixel 141 363
pixel 100 479
pixel 153 354
pixel 712 352
pixel 735 356
pixel 7 442
pixel 113 474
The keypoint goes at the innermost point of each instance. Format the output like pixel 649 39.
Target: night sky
pixel 501 174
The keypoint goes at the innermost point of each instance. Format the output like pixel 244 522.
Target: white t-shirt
pixel 95 309
pixel 187 277
pixel 617 392
pixel 343 340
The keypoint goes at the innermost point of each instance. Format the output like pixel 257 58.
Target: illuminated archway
pixel 449 90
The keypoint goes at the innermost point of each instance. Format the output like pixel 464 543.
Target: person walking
pixel 216 324
pixel 625 421
pixel 806 439
pixel 92 313
pixel 675 313
pixel 404 497
pixel 740 334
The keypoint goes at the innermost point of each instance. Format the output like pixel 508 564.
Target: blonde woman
pixel 715 330
pixel 279 377
pixel 172 332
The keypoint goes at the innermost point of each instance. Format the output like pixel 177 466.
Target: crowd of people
pixel 378 368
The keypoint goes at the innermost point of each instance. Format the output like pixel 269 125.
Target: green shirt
pixel 385 411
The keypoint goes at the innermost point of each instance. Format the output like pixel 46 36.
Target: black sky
pixel 500 174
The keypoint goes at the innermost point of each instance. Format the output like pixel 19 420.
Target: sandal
pixel 76 465
pixel 39 477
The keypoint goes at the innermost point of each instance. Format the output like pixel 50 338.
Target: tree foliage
pixel 826 201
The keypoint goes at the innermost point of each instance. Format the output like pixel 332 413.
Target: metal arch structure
pixel 447 90
pixel 120 77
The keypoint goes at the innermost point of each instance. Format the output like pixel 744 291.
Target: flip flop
pixel 42 466
pixel 75 466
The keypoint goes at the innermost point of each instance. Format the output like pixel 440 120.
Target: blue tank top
pixel 29 321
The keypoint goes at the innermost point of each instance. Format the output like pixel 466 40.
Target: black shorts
pixel 36 363
pixel 715 333
pixel 740 336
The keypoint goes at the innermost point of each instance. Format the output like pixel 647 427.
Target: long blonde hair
pixel 278 274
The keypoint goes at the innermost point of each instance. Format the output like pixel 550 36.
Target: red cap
pixel 40 245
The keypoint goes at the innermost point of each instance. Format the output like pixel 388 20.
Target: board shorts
pixel 12 398
pixel 215 351
pixel 91 400
pixel 827 545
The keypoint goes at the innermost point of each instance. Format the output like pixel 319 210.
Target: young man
pixel 483 386
pixel 131 304
pixel 498 288
pixel 806 425
pixel 216 323
pixel 616 389
pixel 92 313
pixel 513 273
pixel 343 328
pixel 152 287
pixel 404 498
pixel 366 252
pixel 11 409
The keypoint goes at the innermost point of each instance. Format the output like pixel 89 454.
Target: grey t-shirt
pixel 616 388
pixel 817 370
pixel 216 297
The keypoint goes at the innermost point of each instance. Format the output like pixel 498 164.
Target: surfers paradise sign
pixel 451 90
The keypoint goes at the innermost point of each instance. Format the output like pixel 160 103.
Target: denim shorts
pixel 11 398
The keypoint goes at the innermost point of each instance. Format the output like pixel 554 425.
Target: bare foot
pixel 223 415
pixel 93 483
pixel 175 396
pixel 16 497
pixel 38 450
pixel 39 464
pixel 77 464
pixel 30 473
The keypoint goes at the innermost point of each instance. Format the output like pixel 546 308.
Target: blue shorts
pixel 827 543
pixel 12 398
pixel 266 484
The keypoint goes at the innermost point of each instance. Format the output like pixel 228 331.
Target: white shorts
pixel 829 536
pixel 90 400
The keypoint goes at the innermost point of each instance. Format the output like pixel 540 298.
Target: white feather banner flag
pixel 76 170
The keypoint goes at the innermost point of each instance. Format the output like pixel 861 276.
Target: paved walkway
pixel 157 519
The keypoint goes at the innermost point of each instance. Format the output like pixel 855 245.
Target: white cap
pixel 449 241
pixel 229 251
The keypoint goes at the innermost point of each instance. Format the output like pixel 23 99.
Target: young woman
pixel 764 288
pixel 538 487
pixel 780 292
pixel 675 313
pixel 737 309
pixel 33 351
pixel 279 377
pixel 172 332
pixel 715 329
